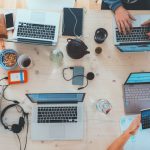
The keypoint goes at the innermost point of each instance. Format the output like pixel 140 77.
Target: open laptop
pixel 137 40
pixel 37 27
pixel 136 91
pixel 57 5
pixel 57 116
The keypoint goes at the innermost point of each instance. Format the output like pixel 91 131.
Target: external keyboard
pixel 134 93
pixel 145 119
pixel 137 34
pixel 57 114
pixel 36 31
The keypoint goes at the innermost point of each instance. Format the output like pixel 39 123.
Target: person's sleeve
pixel 113 4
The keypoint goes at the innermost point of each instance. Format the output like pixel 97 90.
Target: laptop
pixel 56 5
pixel 136 92
pixel 137 40
pixel 57 116
pixel 37 27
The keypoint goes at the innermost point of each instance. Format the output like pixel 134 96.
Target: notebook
pixel 72 21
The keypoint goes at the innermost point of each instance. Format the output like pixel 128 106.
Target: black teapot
pixel 76 48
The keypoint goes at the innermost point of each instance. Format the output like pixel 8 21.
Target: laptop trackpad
pixel 37 17
pixel 57 131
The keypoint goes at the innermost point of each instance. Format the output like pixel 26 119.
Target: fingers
pixel 124 27
pixel 131 17
pixel 146 23
pixel 148 34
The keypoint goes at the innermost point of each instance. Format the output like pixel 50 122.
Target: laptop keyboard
pixel 137 34
pixel 135 93
pixel 57 114
pixel 36 31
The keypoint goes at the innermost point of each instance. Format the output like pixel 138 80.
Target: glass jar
pixel 56 56
pixel 103 105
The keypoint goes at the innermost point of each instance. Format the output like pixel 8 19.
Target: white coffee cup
pixel 24 61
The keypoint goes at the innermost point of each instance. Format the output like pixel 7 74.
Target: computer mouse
pixel 100 35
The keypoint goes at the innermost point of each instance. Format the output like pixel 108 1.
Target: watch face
pixel 130 1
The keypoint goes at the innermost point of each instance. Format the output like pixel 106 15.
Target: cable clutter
pixel 77 73
pixel 17 127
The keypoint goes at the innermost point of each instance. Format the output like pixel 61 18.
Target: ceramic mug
pixel 24 61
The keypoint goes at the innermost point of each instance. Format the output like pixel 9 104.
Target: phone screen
pixel 9 20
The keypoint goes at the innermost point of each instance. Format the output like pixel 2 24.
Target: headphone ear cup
pixel 21 122
pixel 16 128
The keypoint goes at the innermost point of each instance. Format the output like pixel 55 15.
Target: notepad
pixel 72 21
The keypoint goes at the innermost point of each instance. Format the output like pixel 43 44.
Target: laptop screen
pixel 56 97
pixel 139 78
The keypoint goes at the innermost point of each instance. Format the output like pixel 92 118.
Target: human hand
pixel 134 125
pixel 147 23
pixel 124 20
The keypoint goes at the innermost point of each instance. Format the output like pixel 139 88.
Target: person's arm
pixel 147 24
pixel 119 143
pixel 122 16
pixel 113 4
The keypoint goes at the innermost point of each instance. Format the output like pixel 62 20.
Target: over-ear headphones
pixel 100 35
pixel 89 76
pixel 15 128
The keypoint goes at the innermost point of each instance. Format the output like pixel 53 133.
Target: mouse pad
pixel 72 21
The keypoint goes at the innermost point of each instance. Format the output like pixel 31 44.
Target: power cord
pixel 16 102
pixel 3 95
pixel 87 78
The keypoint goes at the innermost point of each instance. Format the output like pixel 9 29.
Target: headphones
pixel 15 128
pixel 100 35
pixel 89 76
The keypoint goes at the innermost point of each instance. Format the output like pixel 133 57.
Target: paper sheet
pixel 140 141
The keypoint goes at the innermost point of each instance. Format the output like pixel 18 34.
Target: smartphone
pixel 9 21
pixel 78 75
pixel 145 118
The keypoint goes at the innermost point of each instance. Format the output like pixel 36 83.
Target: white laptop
pixel 57 5
pixel 37 27
pixel 57 116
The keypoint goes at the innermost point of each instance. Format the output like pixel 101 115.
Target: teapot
pixel 76 48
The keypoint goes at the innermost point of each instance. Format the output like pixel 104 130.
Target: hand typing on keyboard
pixel 124 20
pixel 147 24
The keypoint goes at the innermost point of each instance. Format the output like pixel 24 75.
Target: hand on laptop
pixel 147 23
pixel 132 129
pixel 124 20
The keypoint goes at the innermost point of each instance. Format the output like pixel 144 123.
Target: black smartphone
pixel 78 75
pixel 9 21
pixel 145 118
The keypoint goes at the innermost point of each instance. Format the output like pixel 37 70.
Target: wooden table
pixel 111 68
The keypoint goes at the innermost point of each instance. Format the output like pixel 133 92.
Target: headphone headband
pixel 5 110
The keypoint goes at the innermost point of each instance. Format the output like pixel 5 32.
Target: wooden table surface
pixel 111 68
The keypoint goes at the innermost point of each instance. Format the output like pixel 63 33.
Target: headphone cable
pixel 3 95
pixel 27 130
pixel 19 140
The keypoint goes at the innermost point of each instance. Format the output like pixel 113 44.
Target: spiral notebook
pixel 72 21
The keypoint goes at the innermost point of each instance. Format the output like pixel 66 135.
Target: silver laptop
pixel 37 27
pixel 136 91
pixel 57 116
pixel 137 40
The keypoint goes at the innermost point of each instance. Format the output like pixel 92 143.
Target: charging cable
pixel 89 76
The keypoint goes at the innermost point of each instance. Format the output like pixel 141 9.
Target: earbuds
pixel 100 35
